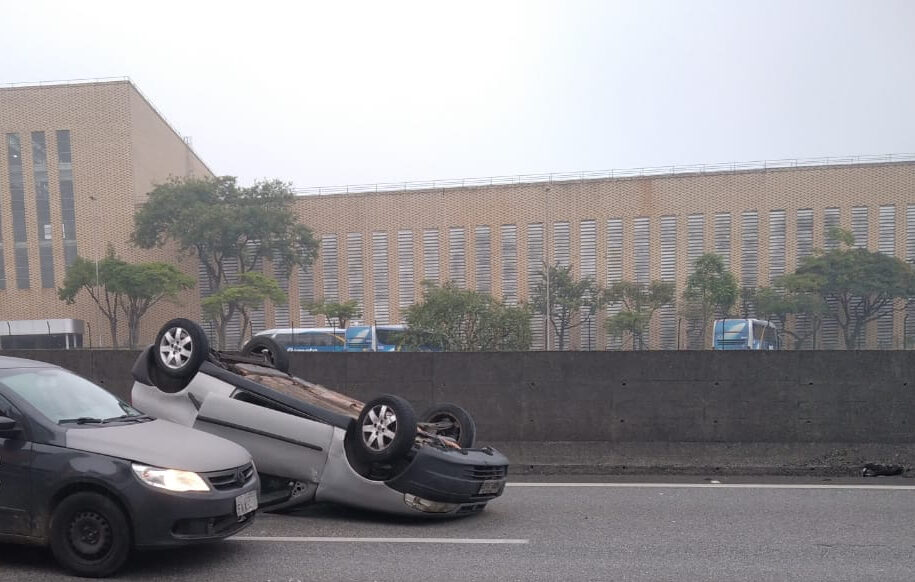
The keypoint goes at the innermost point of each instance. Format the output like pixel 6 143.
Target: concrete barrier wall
pixel 703 397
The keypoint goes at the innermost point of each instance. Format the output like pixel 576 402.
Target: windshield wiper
pixel 134 417
pixel 81 420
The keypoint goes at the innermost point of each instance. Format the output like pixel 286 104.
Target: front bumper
pixel 468 477
pixel 162 518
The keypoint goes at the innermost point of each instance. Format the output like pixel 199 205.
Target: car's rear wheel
pixel 181 346
pixel 385 430
pixel 274 355
pixel 90 535
pixel 450 420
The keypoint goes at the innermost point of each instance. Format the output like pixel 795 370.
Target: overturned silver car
pixel 313 444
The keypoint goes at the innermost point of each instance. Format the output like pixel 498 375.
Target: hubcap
pixel 90 534
pixel 176 347
pixel 379 427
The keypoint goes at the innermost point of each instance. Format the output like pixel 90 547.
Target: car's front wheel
pixel 385 429
pixel 90 535
pixel 452 421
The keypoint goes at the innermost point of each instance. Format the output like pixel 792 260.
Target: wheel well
pixel 84 487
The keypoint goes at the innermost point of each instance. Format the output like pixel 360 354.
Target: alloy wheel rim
pixel 176 347
pixel 379 427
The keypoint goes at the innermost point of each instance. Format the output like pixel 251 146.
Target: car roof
pixel 298 330
pixel 10 362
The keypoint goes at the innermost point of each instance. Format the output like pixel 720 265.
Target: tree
pixel 710 291
pixel 639 303
pixel 225 226
pixel 143 285
pixel 561 299
pixel 460 320
pixel 95 278
pixel 855 285
pixel 778 304
pixel 119 287
pixel 340 313
pixel 249 293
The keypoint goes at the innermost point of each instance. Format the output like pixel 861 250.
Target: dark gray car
pixel 92 477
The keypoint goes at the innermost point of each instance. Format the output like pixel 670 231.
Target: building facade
pixel 75 160
pixel 377 247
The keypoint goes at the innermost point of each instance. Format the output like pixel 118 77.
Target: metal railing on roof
pixel 65 82
pixel 607 174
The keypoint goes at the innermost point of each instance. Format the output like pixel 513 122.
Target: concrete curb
pixel 757 459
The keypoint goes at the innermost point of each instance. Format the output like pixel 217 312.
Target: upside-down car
pixel 310 443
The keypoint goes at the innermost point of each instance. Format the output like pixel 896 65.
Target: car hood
pixel 160 443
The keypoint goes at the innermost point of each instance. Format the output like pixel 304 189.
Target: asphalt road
pixel 628 529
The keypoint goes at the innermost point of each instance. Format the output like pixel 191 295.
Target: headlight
pixel 427 505
pixel 170 479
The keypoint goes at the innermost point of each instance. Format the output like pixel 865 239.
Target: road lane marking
pixel 495 541
pixel 717 486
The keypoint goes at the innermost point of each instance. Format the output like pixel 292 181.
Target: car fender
pixel 340 483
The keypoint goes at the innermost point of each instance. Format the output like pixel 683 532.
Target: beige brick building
pixel 376 247
pixel 76 159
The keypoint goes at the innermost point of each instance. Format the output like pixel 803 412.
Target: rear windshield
pixel 59 395
pixel 734 330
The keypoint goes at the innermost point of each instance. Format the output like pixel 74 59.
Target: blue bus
pixel 375 338
pixel 745 334
pixel 308 339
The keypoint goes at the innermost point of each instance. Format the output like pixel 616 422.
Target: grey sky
pixel 330 93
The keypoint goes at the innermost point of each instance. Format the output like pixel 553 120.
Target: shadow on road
pixel 191 563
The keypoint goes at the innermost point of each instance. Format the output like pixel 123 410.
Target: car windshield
pixel 63 396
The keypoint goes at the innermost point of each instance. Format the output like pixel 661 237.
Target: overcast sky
pixel 334 92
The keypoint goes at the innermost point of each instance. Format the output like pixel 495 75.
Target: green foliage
pixel 460 320
pixel 249 293
pixel 144 285
pixel 215 220
pixel 710 291
pixel 565 302
pixel 118 286
pixel 638 303
pixel 854 285
pixel 778 304
pixel 339 313
pixel 94 277
pixel 221 223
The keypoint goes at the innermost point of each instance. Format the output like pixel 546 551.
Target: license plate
pixel 245 503
pixel 491 486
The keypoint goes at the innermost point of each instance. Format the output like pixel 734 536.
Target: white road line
pixel 495 541
pixel 717 486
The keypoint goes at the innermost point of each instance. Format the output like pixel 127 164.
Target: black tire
pixel 456 423
pixel 166 384
pixel 385 430
pixel 181 346
pixel 90 535
pixel 274 355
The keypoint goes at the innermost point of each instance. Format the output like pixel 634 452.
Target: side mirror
pixel 8 427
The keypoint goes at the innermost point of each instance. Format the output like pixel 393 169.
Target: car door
pixel 15 476
pixel 281 444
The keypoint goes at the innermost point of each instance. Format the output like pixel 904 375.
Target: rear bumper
pixel 466 477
